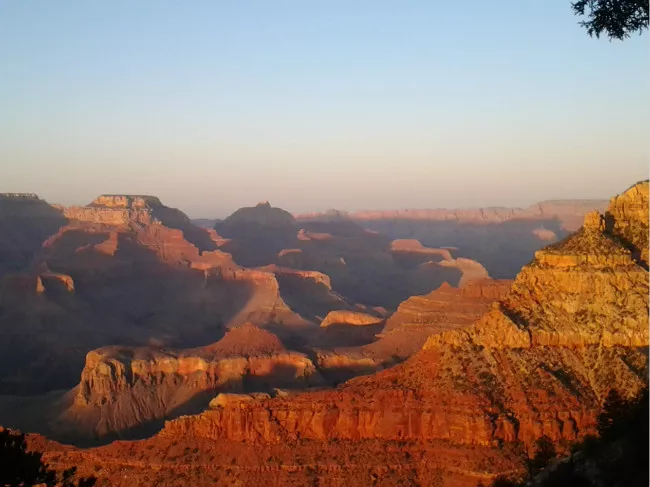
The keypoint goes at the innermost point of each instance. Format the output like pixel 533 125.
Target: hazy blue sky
pixel 213 105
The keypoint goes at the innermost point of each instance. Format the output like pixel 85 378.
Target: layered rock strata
pixel 123 391
pixel 539 363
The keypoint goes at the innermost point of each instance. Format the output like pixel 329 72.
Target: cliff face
pixel 447 307
pixel 565 209
pixel 540 362
pixel 627 218
pixel 25 221
pixel 502 239
pixel 123 270
pixel 116 210
pixel 124 391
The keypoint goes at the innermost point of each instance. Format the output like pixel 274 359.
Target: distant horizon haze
pixel 198 216
pixel 213 106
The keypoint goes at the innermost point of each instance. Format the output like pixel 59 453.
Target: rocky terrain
pixel 124 271
pixel 25 222
pixel 136 297
pixel 127 392
pixel 502 239
pixel 468 406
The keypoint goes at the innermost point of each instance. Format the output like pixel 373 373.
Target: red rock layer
pixel 531 366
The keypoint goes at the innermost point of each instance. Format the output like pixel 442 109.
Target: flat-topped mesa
pixel 263 214
pixel 26 205
pixel 116 210
pixel 354 318
pixel 19 197
pixel 288 272
pixel 122 387
pixel 411 245
pixel 126 201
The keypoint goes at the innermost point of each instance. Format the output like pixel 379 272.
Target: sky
pixel 365 104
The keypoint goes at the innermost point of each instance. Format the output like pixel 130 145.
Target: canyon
pixel 327 349
pixel 502 239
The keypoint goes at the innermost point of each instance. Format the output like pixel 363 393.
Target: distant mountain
pixel 471 405
pixel 502 239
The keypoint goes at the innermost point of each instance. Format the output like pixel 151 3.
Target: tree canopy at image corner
pixel 618 19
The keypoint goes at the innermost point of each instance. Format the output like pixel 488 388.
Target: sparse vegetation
pixel 22 468
pixel 619 457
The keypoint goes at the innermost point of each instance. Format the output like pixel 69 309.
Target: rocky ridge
pixel 539 362
pixel 567 209
pixel 503 240
pixel 125 392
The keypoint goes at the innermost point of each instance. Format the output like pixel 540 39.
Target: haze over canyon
pixel 417 345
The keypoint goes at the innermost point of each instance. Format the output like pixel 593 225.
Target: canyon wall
pixel 539 363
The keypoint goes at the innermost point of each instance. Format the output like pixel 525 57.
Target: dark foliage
pixel 614 416
pixel 21 468
pixel 544 453
pixel 616 18
pixel 619 457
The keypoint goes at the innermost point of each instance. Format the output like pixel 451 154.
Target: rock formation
pixel 257 234
pixel 123 270
pixel 349 318
pixel 538 363
pixel 362 265
pixel 25 221
pixel 443 309
pixel 569 211
pixel 502 239
pixel 126 392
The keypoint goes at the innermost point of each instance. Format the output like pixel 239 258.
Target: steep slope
pixel 502 239
pixel 404 333
pixel 257 234
pixel 115 274
pixel 25 221
pixel 445 308
pixel 127 392
pixel 574 325
pixel 365 266
pixel 362 265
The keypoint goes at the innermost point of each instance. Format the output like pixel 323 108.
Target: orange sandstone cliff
pixel 462 410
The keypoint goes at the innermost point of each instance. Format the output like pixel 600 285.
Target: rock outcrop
pixel 351 318
pixel 123 270
pixel 501 239
pixel 539 363
pixel 126 392
pixel 25 221
pixel 460 411
pixel 567 210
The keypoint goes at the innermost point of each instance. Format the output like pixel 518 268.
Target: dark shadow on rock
pixel 280 376
pixel 307 297
pixel 254 244
pixel 25 222
pixel 345 335
pixel 130 298
pixel 503 248
pixel 197 236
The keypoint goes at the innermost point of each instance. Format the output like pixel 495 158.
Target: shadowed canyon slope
pixel 540 361
pixel 126 392
pixel 502 239
pixel 362 265
pixel 124 270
